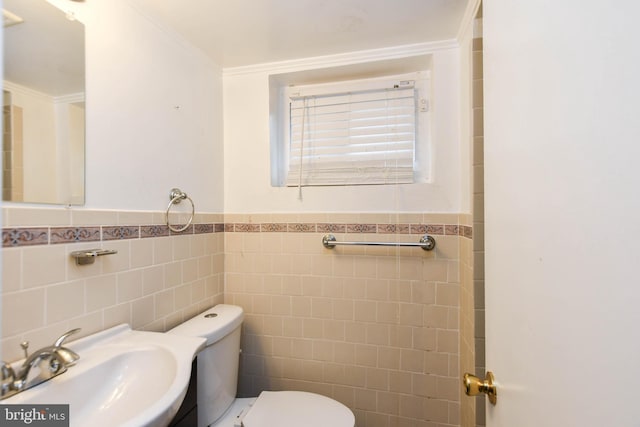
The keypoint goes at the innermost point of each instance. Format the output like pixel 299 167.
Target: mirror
pixel 43 104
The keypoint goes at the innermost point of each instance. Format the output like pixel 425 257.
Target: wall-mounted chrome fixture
pixel 426 242
pixel 89 256
pixel 176 196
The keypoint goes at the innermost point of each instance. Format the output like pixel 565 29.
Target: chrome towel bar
pixel 426 242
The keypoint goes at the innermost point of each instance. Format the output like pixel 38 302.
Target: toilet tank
pixel 217 363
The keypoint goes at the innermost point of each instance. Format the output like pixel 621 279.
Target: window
pixel 355 132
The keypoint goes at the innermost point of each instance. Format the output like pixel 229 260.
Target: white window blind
pixel 348 138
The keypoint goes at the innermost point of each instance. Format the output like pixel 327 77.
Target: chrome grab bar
pixel 426 242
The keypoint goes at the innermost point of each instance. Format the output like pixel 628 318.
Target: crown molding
pixel 341 59
pixel 16 88
pixel 70 98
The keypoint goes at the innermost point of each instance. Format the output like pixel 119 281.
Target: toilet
pixel 217 379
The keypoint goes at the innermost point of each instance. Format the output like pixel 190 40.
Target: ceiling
pixel 236 33
pixel 46 51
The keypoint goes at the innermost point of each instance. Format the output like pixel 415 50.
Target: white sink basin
pixel 123 378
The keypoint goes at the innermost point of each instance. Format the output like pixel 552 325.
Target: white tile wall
pixel 378 329
pixel 151 283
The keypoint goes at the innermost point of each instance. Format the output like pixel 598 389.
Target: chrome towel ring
pixel 176 196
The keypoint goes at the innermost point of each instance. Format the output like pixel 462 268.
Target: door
pixel 562 209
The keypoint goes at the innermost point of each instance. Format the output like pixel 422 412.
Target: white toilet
pixel 217 372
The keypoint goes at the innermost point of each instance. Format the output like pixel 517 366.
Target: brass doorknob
pixel 473 386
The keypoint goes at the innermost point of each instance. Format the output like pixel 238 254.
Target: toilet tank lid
pixel 212 324
pixel 295 409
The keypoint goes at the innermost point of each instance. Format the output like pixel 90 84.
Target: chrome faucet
pixel 52 360
pixel 68 356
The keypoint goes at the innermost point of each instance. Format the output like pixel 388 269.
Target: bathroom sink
pixel 123 378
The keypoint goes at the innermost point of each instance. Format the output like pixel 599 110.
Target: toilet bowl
pixel 217 378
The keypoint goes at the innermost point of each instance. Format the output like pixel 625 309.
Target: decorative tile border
pixel 154 231
pixel 394 228
pixel 246 228
pixel 273 227
pixel 362 228
pixel 29 236
pixel 25 236
pixel 120 232
pixel 73 234
pixel 331 228
pixel 435 229
pixel 203 228
pixel 301 228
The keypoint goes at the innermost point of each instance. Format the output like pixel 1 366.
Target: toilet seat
pixel 296 409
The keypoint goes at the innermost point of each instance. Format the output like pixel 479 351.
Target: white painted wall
pixel 154 113
pixel 247 147
pixel 154 121
pixel 154 109
pixel 562 208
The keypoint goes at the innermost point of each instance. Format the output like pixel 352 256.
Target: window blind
pixel 349 138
